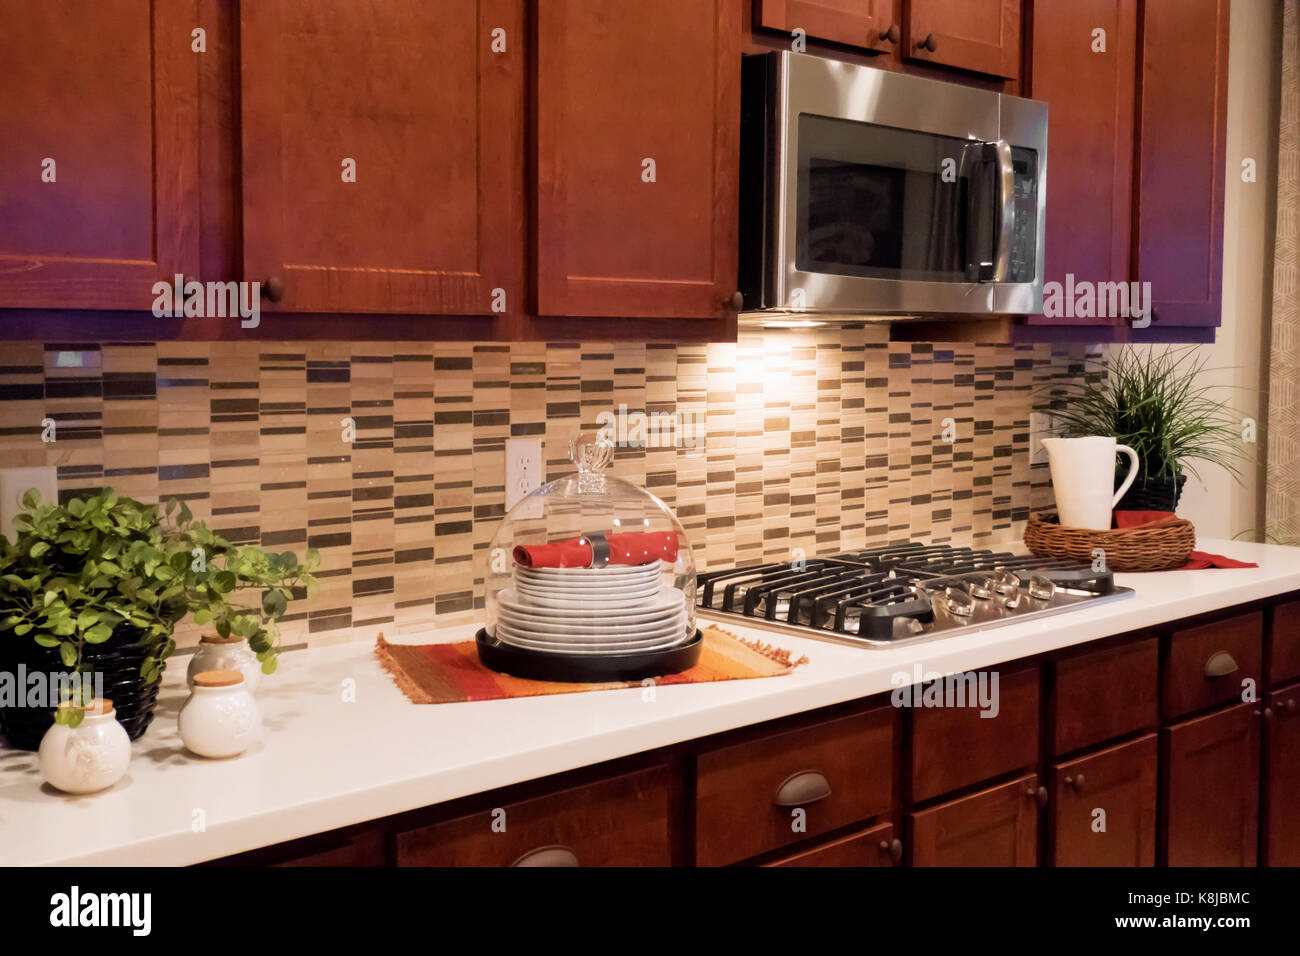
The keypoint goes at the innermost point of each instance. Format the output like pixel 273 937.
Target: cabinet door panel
pixel 652 93
pixel 413 93
pixel 870 847
pixel 1120 782
pixel 978 35
pixel 107 89
pixel 1090 95
pixel 857 23
pixel 995 827
pixel 1282 783
pixel 1211 791
pixel 1181 146
pixel 1284 644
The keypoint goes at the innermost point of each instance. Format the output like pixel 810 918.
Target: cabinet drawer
pixel 755 796
pixel 995 827
pixel 875 846
pixel 953 747
pixel 1105 694
pixel 1119 782
pixel 1284 644
pixel 622 821
pixel 1205 665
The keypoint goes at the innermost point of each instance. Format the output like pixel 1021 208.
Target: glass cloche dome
pixel 589 577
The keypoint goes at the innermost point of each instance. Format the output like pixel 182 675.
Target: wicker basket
pixel 1160 546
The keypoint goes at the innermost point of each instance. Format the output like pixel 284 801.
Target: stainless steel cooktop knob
pixel 1006 582
pixel 1011 601
pixel 979 586
pixel 1041 587
pixel 959 602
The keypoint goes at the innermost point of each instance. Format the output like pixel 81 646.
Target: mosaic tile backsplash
pixel 820 440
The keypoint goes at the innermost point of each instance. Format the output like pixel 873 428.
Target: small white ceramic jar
pixel 91 756
pixel 220 719
pixel 216 653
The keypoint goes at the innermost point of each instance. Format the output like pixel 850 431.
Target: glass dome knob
pixel 591 453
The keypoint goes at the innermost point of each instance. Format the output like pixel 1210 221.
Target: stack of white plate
pixel 618 609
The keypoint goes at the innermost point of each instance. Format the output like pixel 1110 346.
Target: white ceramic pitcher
pixel 1083 477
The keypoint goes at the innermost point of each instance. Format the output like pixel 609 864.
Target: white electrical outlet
pixel 1040 427
pixel 15 482
pixel 523 468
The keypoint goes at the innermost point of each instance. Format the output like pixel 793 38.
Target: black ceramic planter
pixel 118 659
pixel 1151 493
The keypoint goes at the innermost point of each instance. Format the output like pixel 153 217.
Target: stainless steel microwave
pixel 867 193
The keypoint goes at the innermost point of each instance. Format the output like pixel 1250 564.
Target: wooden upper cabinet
pixel 1183 102
pixel 978 35
pixel 1211 789
pixel 382 154
pixel 98 151
pixel 1089 83
pixel 861 23
pixel 638 128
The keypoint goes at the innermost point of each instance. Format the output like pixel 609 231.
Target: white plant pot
pixel 216 653
pixel 220 718
pixel 92 756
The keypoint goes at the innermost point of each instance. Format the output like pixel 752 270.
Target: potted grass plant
pixel 96 587
pixel 1158 404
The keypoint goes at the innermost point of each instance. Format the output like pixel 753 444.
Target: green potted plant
pixel 96 587
pixel 1155 403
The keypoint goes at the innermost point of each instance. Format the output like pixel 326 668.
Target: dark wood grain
pixel 1210 789
pixel 1281 804
pixel 954 747
pixel 1284 644
pixel 620 821
pixel 1120 782
pixel 108 90
pixel 994 827
pixel 1184 684
pixel 858 23
pixel 1090 97
pixel 434 119
pixel 660 80
pixel 1102 695
pixel 869 847
pixel 1182 140
pixel 978 35
pixel 735 817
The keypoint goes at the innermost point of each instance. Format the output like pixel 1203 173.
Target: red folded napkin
pixel 628 547
pixel 1197 560
pixel 1200 559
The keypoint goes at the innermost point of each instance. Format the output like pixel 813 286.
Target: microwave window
pixel 879 202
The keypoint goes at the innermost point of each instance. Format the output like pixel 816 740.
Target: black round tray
pixel 585 668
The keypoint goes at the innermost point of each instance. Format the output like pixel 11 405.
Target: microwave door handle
pixel 1006 175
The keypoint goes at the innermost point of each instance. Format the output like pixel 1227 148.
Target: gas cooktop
pixel 902 593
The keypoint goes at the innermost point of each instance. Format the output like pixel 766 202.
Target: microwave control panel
pixel 1024 243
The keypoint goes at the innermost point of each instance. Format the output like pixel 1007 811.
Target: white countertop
pixel 326 763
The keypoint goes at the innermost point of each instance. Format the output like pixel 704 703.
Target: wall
pixel 822 441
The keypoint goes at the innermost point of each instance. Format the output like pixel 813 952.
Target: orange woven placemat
pixel 451 673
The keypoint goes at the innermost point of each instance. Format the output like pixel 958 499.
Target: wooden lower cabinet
pixel 1210 789
pixel 1103 807
pixel 621 821
pixel 756 796
pixel 874 846
pixel 994 827
pixel 1281 806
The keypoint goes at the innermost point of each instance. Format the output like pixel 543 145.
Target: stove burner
pixel 902 592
